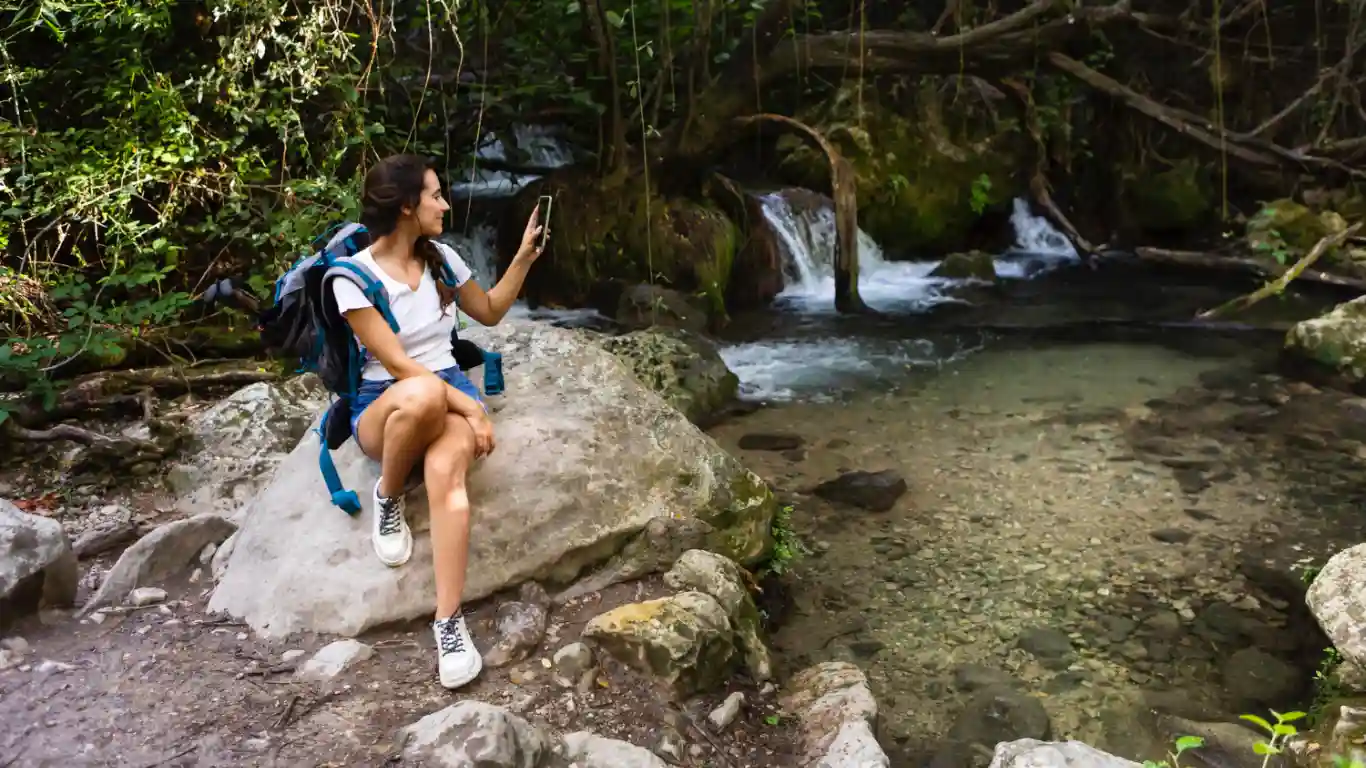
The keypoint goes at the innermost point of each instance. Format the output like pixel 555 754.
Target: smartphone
pixel 545 201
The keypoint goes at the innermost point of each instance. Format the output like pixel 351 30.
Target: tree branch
pixel 1278 285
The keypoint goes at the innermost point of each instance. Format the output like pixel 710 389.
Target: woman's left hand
pixel 531 237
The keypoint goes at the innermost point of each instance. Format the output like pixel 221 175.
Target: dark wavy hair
pixel 391 185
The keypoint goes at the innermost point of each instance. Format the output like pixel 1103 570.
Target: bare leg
pixel 447 463
pixel 399 426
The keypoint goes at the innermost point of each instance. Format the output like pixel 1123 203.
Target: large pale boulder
pixel 1031 753
pixel 37 565
pixel 836 712
pixel 1337 598
pixel 1334 342
pixel 586 457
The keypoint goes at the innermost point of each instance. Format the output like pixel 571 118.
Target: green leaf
pixel 1259 721
pixel 1282 729
pixel 1290 717
pixel 615 19
pixel 1188 742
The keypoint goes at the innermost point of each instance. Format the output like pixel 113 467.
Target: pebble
pixel 146 596
pixel 725 714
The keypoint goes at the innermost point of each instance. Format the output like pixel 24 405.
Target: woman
pixel 414 403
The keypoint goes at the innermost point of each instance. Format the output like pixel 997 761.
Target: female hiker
pixel 414 403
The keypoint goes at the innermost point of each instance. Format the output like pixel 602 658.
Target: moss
pixel 620 230
pixel 1178 198
pixel 743 528
pixel 917 177
pixel 972 265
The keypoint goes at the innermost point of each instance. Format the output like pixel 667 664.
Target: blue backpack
pixel 303 320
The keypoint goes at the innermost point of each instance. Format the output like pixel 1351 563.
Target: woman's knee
pixel 451 455
pixel 422 398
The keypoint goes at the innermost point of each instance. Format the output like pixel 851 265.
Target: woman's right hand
pixel 483 434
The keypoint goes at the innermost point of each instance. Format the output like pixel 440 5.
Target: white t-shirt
pixel 423 329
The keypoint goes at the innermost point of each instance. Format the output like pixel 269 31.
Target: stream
pixel 1100 519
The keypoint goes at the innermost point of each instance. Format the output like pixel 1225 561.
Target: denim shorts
pixel 370 391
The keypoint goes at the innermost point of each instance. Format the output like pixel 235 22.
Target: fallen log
pixel 1277 286
pixel 1242 265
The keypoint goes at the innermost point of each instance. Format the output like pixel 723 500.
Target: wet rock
pixel 521 625
pixel 1032 753
pixel 998 714
pixel 1051 647
pixel 971 265
pixel 333 659
pixel 1163 624
pixel 159 555
pixel 765 441
pixel 836 711
pixel 973 677
pixel 651 306
pixel 685 641
pixel 873 491
pixel 588 457
pixel 472 733
pixel 720 578
pixel 1335 342
pixel 585 750
pixel 683 368
pixel 725 714
pixel 1337 598
pixel 1255 680
pixel 1172 535
pixel 37 565
pixel 237 443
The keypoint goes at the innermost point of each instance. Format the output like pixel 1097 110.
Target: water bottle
pixel 493 373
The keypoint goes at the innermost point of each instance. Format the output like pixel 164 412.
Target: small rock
pixel 873 491
pixel 972 677
pixel 292 654
pixel 1254 680
pixel 146 596
pixel 1032 753
pixel 721 717
pixel 16 644
pixel 1000 714
pixel 8 659
pixel 571 662
pixel 669 745
pixel 585 750
pixel 160 555
pixel 770 442
pixel 1172 535
pixel 1052 647
pixel 521 625
pixel 472 733
pixel 48 665
pixel 334 659
pixel 206 554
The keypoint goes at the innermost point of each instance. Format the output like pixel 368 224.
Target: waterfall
pixel 1038 246
pixel 478 251
pixel 546 150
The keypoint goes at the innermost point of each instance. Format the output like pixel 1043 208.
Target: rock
pixel 147 596
pixel 720 578
pixel 835 711
pixel 650 306
pixel 584 750
pixel 292 654
pixel 873 491
pixel 1225 743
pixel 1050 646
pixel 764 441
pixel 973 265
pixel 1337 598
pixel 112 527
pixel 219 566
pixel 161 554
pixel 997 714
pixel 1032 753
pixel 37 565
pixel 684 641
pixel 521 625
pixel 1334 342
pixel 972 677
pixel 571 663
pixel 586 458
pixel 725 714
pixel 656 548
pixel 239 441
pixel 333 659
pixel 1255 680
pixel 683 368
pixel 669 745
pixel 1172 535
pixel 472 734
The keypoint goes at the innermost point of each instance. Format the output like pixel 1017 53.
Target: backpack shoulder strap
pixel 344 498
pixel 350 269
pixel 447 275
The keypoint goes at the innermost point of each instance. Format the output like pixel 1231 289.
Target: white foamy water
pixel 815 367
pixel 543 148
pixel 477 248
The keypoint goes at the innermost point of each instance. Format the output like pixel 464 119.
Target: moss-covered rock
pixel 684 368
pixel 684 641
pixel 721 578
pixel 972 265
pixel 1179 197
pixel 919 174
pixel 1335 342
pixel 650 306
pixel 618 230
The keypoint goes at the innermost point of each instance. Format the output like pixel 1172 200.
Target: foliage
pixel 788 547
pixel 1278 732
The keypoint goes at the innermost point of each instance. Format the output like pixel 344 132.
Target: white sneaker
pixel 389 533
pixel 458 660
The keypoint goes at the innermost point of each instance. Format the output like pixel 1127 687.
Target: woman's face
pixel 431 208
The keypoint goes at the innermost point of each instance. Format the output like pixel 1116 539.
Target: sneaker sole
pixel 461 683
pixel 403 559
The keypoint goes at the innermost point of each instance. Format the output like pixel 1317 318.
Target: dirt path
pixel 1101 538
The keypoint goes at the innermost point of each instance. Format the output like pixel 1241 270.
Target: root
pixel 1277 286
pixel 844 191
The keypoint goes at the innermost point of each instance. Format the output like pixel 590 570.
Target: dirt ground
pixel 169 685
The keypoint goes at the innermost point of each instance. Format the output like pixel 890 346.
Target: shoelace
pixel 452 640
pixel 390 517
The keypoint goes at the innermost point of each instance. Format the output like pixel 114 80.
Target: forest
pixel 150 148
